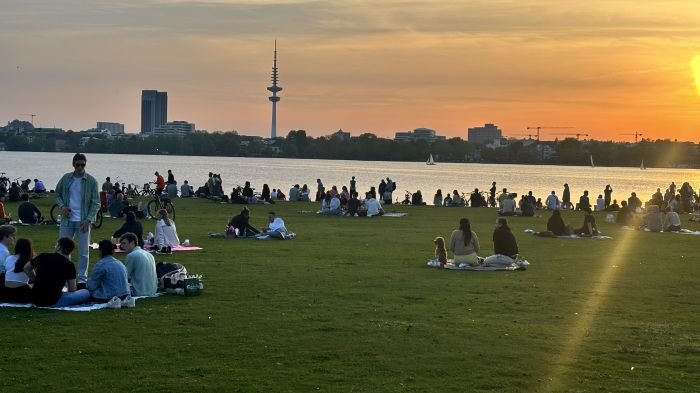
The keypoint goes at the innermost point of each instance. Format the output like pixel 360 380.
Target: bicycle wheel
pixel 55 211
pixel 170 208
pixel 98 219
pixel 152 208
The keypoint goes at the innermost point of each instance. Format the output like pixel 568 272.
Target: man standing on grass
pixel 79 201
pixel 51 272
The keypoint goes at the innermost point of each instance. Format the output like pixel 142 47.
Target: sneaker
pixel 114 302
pixel 283 236
pixel 129 302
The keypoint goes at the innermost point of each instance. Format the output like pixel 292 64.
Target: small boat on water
pixel 430 161
pixel 642 167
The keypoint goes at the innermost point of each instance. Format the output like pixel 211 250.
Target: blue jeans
pixel 276 234
pixel 71 229
pixel 72 298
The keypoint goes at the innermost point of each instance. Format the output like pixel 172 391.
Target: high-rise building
pixel 274 89
pixel 483 135
pixel 154 110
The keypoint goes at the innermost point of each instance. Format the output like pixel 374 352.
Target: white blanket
pixel 450 266
pixel 80 307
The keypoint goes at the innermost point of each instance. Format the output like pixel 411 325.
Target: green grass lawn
pixel 349 306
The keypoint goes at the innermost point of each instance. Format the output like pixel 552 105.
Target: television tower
pixel 274 89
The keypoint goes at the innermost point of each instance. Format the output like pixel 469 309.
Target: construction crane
pixel 538 128
pixel 29 114
pixel 577 134
pixel 636 135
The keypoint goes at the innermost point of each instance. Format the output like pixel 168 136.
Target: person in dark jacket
pixel 505 247
pixel 242 224
pixel 28 212
pixel 131 225
pixel 556 225
pixel 589 228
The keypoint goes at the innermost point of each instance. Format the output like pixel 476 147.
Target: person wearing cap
pixel 108 277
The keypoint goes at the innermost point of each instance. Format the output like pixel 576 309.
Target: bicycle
pixel 158 203
pixel 56 211
pixel 147 190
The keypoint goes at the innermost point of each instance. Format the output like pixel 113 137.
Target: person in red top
pixel 160 184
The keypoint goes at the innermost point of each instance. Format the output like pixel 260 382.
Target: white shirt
pixel 185 190
pixel 672 218
pixel 75 198
pixel 277 225
pixel 373 207
pixel 4 253
pixel 166 235
pixel 273 195
pixel 10 274
pixel 600 204
pixel 508 206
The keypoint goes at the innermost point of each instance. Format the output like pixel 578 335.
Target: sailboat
pixel 592 164
pixel 430 160
pixel 642 167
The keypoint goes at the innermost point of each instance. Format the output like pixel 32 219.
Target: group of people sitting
pixel 40 279
pixel 348 204
pixel 240 227
pixel 16 189
pixel 27 212
pixel 464 246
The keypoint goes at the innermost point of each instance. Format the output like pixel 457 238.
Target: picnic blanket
pixel 80 307
pixel 598 236
pixel 395 214
pixel 681 232
pixel 521 265
pixel 95 246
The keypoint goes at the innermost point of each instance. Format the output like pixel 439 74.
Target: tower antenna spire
pixel 274 89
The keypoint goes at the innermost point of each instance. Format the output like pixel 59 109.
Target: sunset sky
pixel 605 67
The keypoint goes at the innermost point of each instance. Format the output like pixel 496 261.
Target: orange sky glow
pixel 605 68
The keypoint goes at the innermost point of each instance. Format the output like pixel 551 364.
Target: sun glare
pixel 695 64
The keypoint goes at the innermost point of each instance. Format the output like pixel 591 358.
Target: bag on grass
pixel 171 275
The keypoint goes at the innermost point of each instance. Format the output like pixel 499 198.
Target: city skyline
pixel 604 68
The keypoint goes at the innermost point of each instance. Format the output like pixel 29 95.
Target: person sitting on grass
pixel 354 204
pixel 326 203
pixel 334 206
pixel 165 233
pixel 527 209
pixel 447 201
pixel 39 186
pixel 556 225
pixel 240 225
pixel 15 192
pixel 589 228
pixel 653 219
pixel 130 225
pixel 51 272
pixel 140 267
pixel 672 221
pixel 373 207
pixel 508 206
pixel 276 228
pixel 437 199
pixel 108 279
pixel 117 205
pixel 16 284
pixel 464 244
pixel 28 212
pixel 505 247
pixel 613 207
pixel 186 190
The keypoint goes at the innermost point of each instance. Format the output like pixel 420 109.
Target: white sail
pixel 430 161
pixel 642 165
pixel 592 164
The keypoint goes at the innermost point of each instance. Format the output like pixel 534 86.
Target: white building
pixel 113 128
pixel 178 127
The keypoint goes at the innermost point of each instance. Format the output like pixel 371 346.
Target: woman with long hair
pixel 556 225
pixel 166 233
pixel 505 248
pixel 464 244
pixel 17 289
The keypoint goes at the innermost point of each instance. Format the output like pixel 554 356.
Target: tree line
pixel 369 147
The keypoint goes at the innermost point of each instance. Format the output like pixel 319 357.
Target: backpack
pixel 171 275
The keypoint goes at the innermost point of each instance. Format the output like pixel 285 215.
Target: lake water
pixel 284 173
